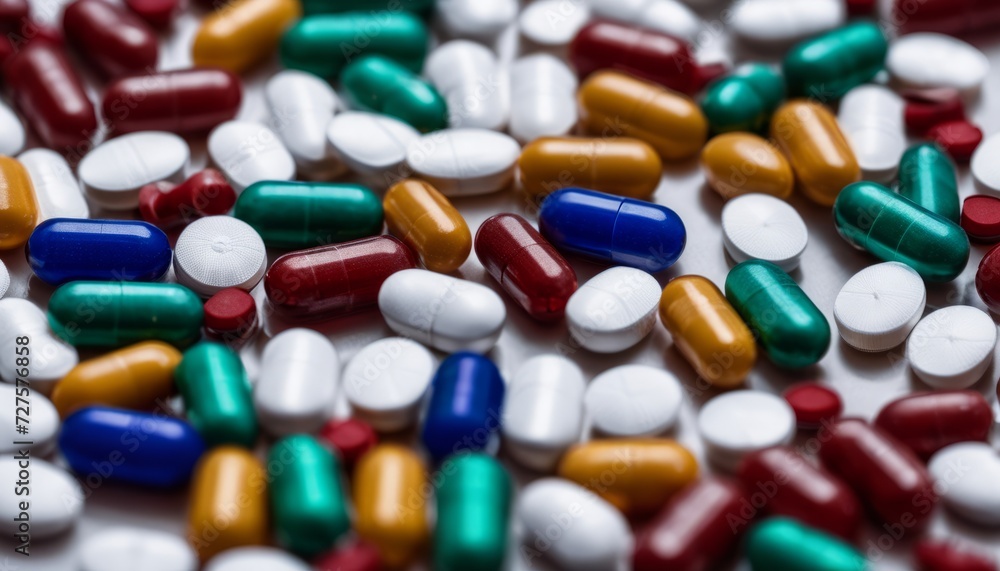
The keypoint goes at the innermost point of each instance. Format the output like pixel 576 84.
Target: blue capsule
pixel 612 229
pixel 62 250
pixel 465 405
pixel 105 444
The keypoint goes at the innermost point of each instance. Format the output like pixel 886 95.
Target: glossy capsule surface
pixel 424 219
pixel 110 38
pixel 228 502
pixel 623 166
pixel 927 177
pixel 743 100
pixel 782 543
pixel 242 33
pixel 18 204
pixel 927 422
pixel 473 509
pixel 955 18
pixel 205 193
pixel 742 163
pixel 829 65
pixel 381 85
pixel 216 394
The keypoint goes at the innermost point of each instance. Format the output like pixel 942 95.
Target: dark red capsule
pixel 981 218
pixel 157 13
pixel 813 404
pixel 357 556
pixel 988 279
pixel 13 15
pixel 860 7
pixel 350 437
pixel 938 555
pixel 110 38
pixel 927 422
pixel 952 17
pixel 205 193
pixel 960 138
pixel 231 316
pixel 926 108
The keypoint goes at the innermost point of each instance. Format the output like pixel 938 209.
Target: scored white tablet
pixel 762 227
pixel 879 306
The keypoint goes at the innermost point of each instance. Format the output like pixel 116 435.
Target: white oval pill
pixel 55 501
pixel 219 252
pixel 879 306
pixel 255 559
pixel 871 117
pixel 985 165
pixel 37 413
pixel 381 149
pixel 667 16
pixel 51 357
pixel 56 189
pixel 952 347
pixel 553 22
pixel 634 400
pixel 762 227
pixel 928 60
pixel 777 23
pixel 468 77
pixel 542 99
pixel 114 171
pixel 464 162
pixel 302 106
pixel 613 310
pixel 249 152
pixel 737 423
pixel 297 384
pixel 13 131
pixel 446 313
pixel 966 476
pixel 474 18
pixel 132 549
pixel 4 279
pixel 385 382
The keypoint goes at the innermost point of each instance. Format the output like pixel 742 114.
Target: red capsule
pixel 205 193
pixel 357 556
pixel 937 555
pixel 860 7
pixel 959 138
pixel 988 279
pixel 157 13
pixel 186 101
pixel 927 422
pixel 13 14
pixel 925 108
pixel 981 218
pixel 110 38
pixel 952 17
pixel 350 437
pixel 813 404
pixel 231 316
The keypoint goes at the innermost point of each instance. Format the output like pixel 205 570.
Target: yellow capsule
pixel 419 215
pixel 135 377
pixel 622 166
pixel 820 156
pixel 708 331
pixel 243 33
pixel 613 104
pixel 742 163
pixel 18 206
pixel 228 502
pixel 390 503
pixel 635 475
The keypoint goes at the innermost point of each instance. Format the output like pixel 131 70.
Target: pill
pixel 378 84
pixel 113 40
pixel 56 188
pixel 355 556
pixel 473 510
pixel 56 500
pixel 666 16
pixel 11 125
pixel 390 503
pixel 986 280
pixel 623 166
pixel 633 400
pixel 543 98
pixel 942 16
pixel 115 170
pixel 256 559
pixel 468 76
pixel 527 267
pixel 216 394
pixel 925 108
pixel 878 307
pixel 614 310
pixel 871 117
pixel 297 383
pixel 205 193
pixel 338 6
pixel 126 548
pixel 742 163
pixel 762 227
pixel 597 537
pixel 814 405
pixel 738 423
pixel 18 205
pixel 337 279
pixel 937 60
pixel 351 438
pixel 382 152
pixel 12 13
pixel 929 421
pixel 464 162
pixel 959 138
pixel 464 411
pixel 777 23
pixel 116 445
pixel 228 506
pixel 963 474
pixel 474 19
pixel 386 382
pixel 242 35
pixel 231 316
pixel 184 101
pixel 743 100
pixel 951 555
pixel 157 13
pixel 4 279
pixel 43 421
pixel 984 167
pixel 301 107
pixel 549 23
pixel 248 152
pixel 787 544
pixel 671 122
pixel 28 326
pixel 927 177
pixel 981 218
pixel 218 252
pixel 829 65
pixel 422 217
pixel 952 347
pixel 873 218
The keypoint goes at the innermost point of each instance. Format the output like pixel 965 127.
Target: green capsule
pixel 787 324
pixel 307 499
pixel 378 84
pixel 112 314
pixel 782 544
pixel 927 177
pixel 297 215
pixel 310 7
pixel 894 229
pixel 473 507
pixel 744 100
pixel 217 396
pixel 326 43
pixel 828 66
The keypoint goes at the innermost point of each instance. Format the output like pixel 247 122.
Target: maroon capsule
pixel 350 437
pixel 927 422
pixel 952 17
pixel 13 14
pixel 110 38
pixel 205 193
pixel 938 555
pixel 356 556
pixel 926 108
pixel 157 13
pixel 186 101
pixel 988 279
pixel 231 316
pixel 981 218
pixel 526 266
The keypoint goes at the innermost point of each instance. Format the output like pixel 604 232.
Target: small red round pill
pixel 813 404
pixel 959 138
pixel 981 218
pixel 943 555
pixel 230 310
pixel 926 108
pixel 351 437
pixel 205 193
pixel 988 279
pixel 357 556
pixel 157 13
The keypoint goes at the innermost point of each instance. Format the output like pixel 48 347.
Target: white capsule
pixel 468 77
pixel 474 18
pixel 386 381
pixel 51 357
pixel 542 98
pixel 879 306
pixel 952 347
pixel 382 149
pixel 446 313
pixel 737 423
pixel 36 412
pixel 985 165
pixel 613 310
pixel 256 559
pixel 634 400
pixel 219 252
pixel 464 162
pixel 302 106
pixel 115 170
pixel 553 22
pixel 297 384
pixel 131 549
pixel 13 131
pixel 55 500
pixel 667 16
pixel 248 152
pixel 966 476
pixel 777 23
pixel 4 279
pixel 56 189
pixel 762 227
pixel 929 60
pixel 871 117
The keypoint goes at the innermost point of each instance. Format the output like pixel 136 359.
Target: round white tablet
pixel 56 500
pixel 762 227
pixel 737 423
pixel 966 475
pixel 929 60
pixel 985 165
pixel 217 252
pixel 952 347
pixel 871 117
pixel 256 559
pixel 634 400
pixel 13 132
pixel 613 310
pixel 42 422
pixel 114 171
pixel 249 152
pixel 369 143
pixel 879 306
pixel 553 22
pixel 474 18
pixel 131 549
pixel 464 162
pixel 4 279
pixel 781 22
pixel 385 382
pixel 668 16
pixel 302 106
pixel 56 188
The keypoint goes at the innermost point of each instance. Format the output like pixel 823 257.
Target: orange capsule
pixel 242 33
pixel 422 217
pixel 228 502
pixel 622 166
pixel 741 163
pixel 18 206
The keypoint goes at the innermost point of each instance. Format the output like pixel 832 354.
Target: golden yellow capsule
pixel 419 215
pixel 242 33
pixel 135 377
pixel 613 104
pixel 228 502
pixel 742 163
pixel 816 148
pixel 708 331
pixel 622 166
pixel 18 206
pixel 635 475
pixel 390 503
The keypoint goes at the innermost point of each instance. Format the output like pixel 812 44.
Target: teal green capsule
pixel 927 177
pixel 376 83
pixel 782 544
pixel 310 7
pixel 473 508
pixel 217 396
pixel 297 215
pixel 895 229
pixel 787 324
pixel 744 100
pixel 112 314
pixel 307 498
pixel 828 66
pixel 324 44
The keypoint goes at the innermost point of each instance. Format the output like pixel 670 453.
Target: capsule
pixel 18 205
pixel 157 13
pixel 944 16
pixel 473 508
pixel 115 445
pixel 378 84
pixel 137 377
pixel 205 193
pixel 296 215
pixel 743 100
pixel 707 331
pixel 927 422
pixel 742 163
pixel 612 230
pixel 782 543
pixel 242 33
pixel 217 396
pixel 110 38
pixel 337 279
pixel 228 505
pixel 337 6
pixel 893 229
pixel 791 329
pixel 816 148
pixel 623 166
pixel 527 267
pixel 422 217
pixel 613 104
pixel 828 66
pixel 645 472
pixel 927 177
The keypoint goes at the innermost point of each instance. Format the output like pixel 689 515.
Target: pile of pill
pixel 484 285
